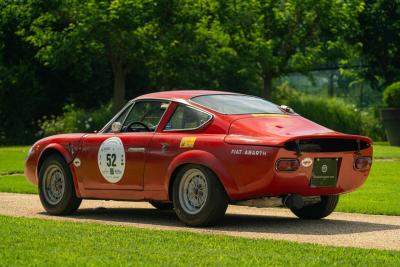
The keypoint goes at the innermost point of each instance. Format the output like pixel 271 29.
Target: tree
pixel 380 36
pixel 122 32
pixel 280 37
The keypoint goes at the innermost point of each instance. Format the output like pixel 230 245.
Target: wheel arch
pixel 58 149
pixel 205 159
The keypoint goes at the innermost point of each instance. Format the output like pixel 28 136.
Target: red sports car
pixel 198 151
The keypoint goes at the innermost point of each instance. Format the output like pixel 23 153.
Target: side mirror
pixel 116 127
pixel 286 109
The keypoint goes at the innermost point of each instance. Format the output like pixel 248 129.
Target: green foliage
pixel 124 33
pixel 391 95
pixel 379 34
pixel 333 113
pixel 280 37
pixel 75 120
pixel 81 52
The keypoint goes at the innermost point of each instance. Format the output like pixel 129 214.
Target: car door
pixel 115 159
pixel 178 135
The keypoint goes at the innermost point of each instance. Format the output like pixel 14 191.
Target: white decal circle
pixel 307 162
pixel 111 159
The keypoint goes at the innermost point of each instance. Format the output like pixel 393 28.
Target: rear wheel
pixel 318 210
pixel 198 197
pixel 56 188
pixel 162 205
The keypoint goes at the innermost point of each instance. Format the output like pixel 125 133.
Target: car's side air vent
pixel 326 145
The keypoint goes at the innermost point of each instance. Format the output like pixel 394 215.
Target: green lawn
pixel 16 184
pixel 384 150
pixel 27 242
pixel 380 193
pixel 12 159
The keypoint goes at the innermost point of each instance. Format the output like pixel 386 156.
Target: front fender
pixel 60 149
pixel 54 147
pixel 208 160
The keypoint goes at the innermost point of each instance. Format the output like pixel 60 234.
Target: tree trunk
pixel 119 86
pixel 267 88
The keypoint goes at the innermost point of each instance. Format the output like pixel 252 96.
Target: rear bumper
pixel 268 182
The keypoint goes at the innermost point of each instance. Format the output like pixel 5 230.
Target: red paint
pixel 241 150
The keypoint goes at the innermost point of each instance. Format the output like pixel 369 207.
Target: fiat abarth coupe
pixel 196 152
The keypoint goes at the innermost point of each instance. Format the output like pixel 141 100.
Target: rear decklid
pixel 276 130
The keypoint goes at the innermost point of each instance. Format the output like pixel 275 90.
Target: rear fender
pixel 206 159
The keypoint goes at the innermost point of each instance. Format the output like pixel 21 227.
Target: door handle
pixel 164 146
pixel 136 149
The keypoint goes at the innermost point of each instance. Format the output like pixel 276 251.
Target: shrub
pixel 333 113
pixel 391 95
pixel 75 120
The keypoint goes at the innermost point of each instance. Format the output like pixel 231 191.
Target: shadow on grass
pixel 234 222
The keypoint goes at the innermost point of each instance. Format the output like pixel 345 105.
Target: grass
pixel 52 243
pixel 384 150
pixel 16 184
pixel 12 159
pixel 379 194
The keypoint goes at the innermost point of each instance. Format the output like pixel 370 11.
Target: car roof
pixel 182 94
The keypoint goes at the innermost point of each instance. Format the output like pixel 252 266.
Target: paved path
pixel 339 229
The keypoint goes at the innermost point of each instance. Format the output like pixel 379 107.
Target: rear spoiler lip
pixel 280 141
pixel 331 136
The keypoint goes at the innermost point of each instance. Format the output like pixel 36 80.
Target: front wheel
pixel 56 188
pixel 198 197
pixel 318 210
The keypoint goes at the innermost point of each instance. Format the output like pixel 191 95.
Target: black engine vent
pixel 326 145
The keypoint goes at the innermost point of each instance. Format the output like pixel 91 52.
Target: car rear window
pixel 237 104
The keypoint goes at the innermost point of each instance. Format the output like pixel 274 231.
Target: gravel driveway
pixel 339 229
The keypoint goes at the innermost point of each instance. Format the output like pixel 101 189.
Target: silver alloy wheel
pixel 53 185
pixel 193 191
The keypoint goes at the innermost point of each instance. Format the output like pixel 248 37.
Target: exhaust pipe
pixel 293 201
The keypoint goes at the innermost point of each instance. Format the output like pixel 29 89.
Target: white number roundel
pixel 111 159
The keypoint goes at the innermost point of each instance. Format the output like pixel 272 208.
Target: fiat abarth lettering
pixel 196 152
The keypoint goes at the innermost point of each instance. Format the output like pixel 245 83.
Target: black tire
pixel 215 203
pixel 68 202
pixel 162 205
pixel 319 210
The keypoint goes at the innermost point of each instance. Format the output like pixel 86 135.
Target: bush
pixel 333 113
pixel 75 120
pixel 391 95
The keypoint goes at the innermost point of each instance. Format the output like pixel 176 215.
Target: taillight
pixel 287 165
pixel 363 163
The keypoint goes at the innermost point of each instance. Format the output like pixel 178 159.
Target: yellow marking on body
pixel 269 115
pixel 187 142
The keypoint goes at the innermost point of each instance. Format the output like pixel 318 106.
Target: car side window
pixel 145 116
pixel 186 118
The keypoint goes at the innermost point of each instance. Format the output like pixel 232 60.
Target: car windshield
pixel 237 104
